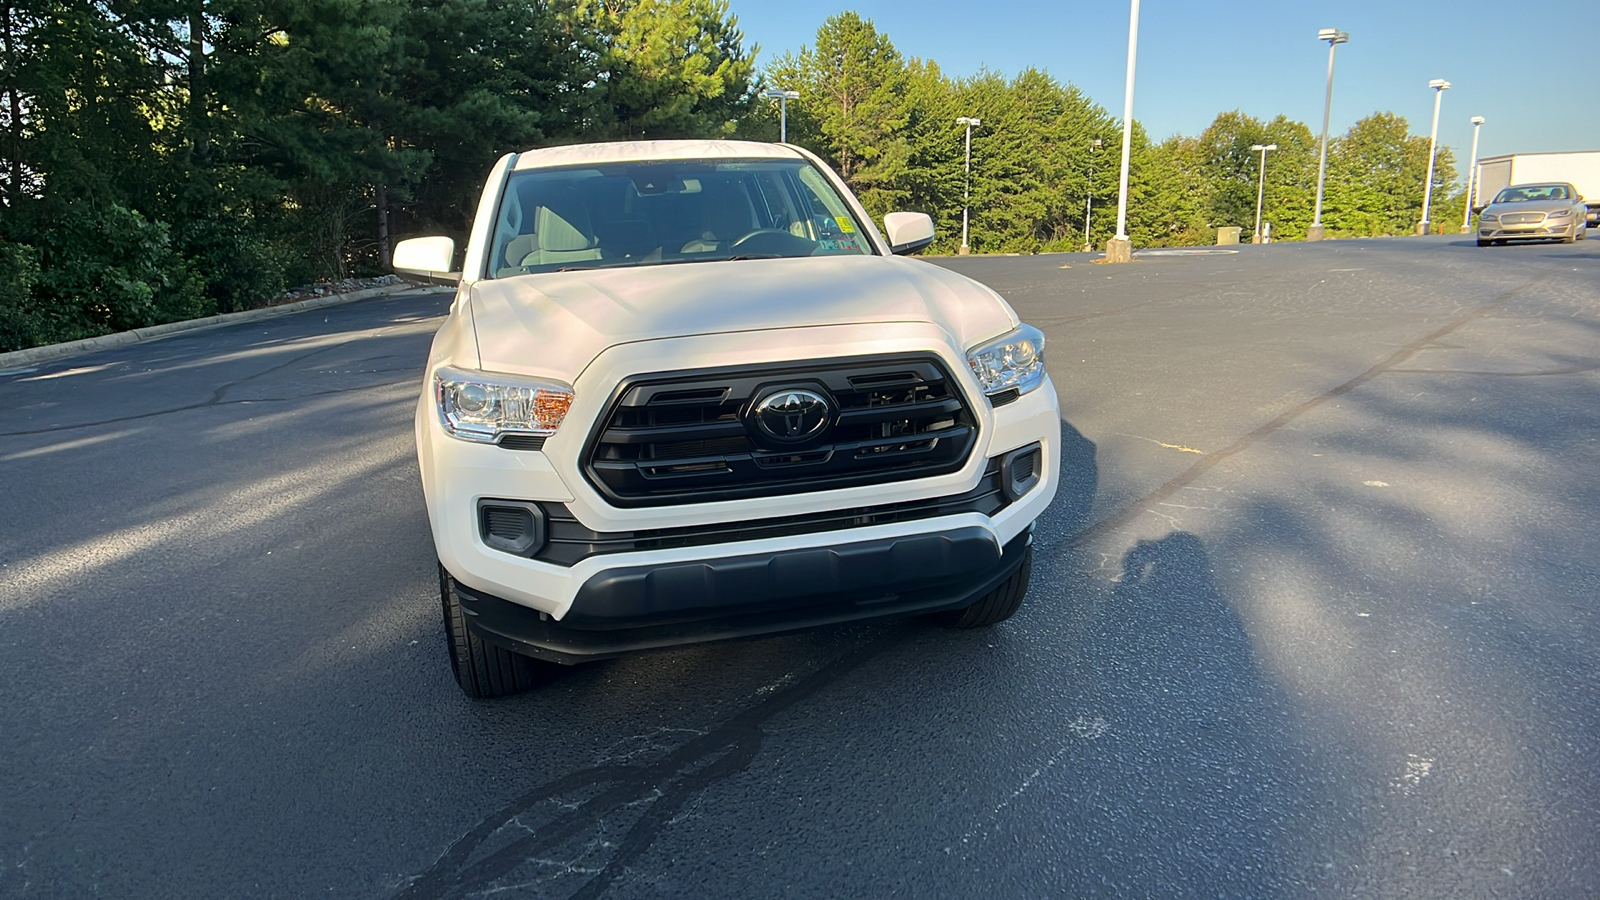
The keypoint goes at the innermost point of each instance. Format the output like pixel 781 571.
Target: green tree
pixel 1233 172
pixel 1375 177
pixel 664 68
pixel 853 107
pixel 1174 195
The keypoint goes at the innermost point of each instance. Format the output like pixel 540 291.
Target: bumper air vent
pixel 523 442
pixel 1001 398
pixel 696 436
pixel 511 526
pixel 1019 470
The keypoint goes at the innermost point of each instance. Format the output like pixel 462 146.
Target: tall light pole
pixel 1334 37
pixel 966 190
pixel 1439 86
pixel 783 97
pixel 1466 217
pixel 1088 209
pixel 1261 187
pixel 1119 248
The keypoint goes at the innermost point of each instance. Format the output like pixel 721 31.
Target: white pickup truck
pixel 687 391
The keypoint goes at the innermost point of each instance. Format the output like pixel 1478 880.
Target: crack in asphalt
pixel 502 843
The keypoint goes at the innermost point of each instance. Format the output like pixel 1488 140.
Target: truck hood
pixel 554 324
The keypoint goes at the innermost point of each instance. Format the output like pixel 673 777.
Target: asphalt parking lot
pixel 1314 613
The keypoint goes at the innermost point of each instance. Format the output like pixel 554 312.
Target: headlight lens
pixel 1013 361
pixel 1559 214
pixel 483 406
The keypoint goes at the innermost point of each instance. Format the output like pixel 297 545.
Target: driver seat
pixel 725 218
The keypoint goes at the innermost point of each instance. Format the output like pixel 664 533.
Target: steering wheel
pixel 748 237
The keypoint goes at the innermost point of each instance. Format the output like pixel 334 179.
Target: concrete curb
pixel 88 345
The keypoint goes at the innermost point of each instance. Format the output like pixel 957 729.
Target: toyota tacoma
pixel 688 391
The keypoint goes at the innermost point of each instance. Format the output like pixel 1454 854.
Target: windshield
pixel 675 211
pixel 1527 192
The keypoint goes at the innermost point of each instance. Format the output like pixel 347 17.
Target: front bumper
pixel 657 607
pixel 1544 232
pixel 456 475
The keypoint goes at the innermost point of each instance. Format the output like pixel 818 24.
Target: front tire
pixel 996 606
pixel 1484 243
pixel 482 669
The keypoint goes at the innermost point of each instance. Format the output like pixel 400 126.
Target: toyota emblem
pixel 792 415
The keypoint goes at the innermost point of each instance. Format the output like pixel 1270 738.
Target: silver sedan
pixel 1524 212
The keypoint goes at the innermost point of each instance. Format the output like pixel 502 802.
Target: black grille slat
pixel 664 433
pixel 926 409
pixel 569 542
pixel 683 437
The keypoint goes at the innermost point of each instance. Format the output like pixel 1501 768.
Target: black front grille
pixel 688 437
pixel 569 541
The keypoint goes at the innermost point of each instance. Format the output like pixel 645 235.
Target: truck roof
pixel 633 151
pixel 1505 156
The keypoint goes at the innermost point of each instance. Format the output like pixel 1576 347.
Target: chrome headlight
pixel 483 406
pixel 1015 360
pixel 1559 214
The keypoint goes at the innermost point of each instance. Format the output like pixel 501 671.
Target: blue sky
pixel 1528 68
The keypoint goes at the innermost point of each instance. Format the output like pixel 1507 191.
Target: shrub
pixel 107 269
pixel 19 272
pixel 242 267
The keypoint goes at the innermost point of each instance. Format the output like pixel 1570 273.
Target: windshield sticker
pixel 845 225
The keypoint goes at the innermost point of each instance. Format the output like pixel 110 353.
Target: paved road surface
pixel 1314 614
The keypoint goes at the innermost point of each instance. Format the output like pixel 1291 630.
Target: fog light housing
pixel 511 526
pixel 1020 470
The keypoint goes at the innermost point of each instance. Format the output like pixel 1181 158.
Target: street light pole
pixel 1472 170
pixel 1261 188
pixel 1088 210
pixel 1120 249
pixel 1439 86
pixel 1334 37
pixel 783 97
pixel 966 190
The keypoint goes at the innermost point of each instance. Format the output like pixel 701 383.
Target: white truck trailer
pixel 1581 169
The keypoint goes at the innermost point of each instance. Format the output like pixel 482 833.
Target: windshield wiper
pixel 629 264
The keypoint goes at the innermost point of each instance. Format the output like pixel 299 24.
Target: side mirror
pixel 908 232
pixel 426 259
pixel 1478 209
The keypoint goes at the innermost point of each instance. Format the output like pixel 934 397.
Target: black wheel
pixel 1483 243
pixel 996 606
pixel 481 668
